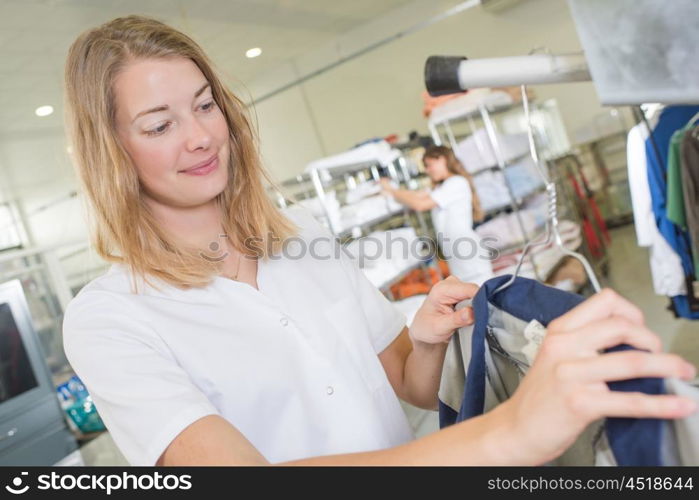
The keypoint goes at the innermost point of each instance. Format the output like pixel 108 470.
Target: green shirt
pixel 675 199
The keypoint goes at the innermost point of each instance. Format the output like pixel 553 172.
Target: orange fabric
pixel 429 102
pixel 416 283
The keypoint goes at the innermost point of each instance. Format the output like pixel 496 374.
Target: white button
pixel 330 390
pixel 284 321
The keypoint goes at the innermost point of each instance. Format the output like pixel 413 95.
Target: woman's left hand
pixel 436 320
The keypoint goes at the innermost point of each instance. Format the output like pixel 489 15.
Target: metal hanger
pixel 552 217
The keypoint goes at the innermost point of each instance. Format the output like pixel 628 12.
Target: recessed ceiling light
pixel 44 110
pixel 254 52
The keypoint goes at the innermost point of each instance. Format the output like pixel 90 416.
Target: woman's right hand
pixel 386 185
pixel 565 389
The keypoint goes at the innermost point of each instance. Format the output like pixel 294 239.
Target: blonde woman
pixel 454 206
pixel 214 339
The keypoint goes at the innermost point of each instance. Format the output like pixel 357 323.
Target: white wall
pixel 36 171
pixel 291 137
pixel 378 93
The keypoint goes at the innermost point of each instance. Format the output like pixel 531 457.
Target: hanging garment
pixel 675 197
pixel 689 167
pixel 677 206
pixel 665 265
pixel 485 363
pixel 672 118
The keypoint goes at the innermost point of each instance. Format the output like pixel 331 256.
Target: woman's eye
pixel 208 106
pixel 158 130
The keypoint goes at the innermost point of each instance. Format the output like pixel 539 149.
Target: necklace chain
pixel 237 269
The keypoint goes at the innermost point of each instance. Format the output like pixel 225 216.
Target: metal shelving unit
pixel 45 286
pixel 556 169
pixel 507 163
pixel 608 155
pixel 551 143
pixel 485 112
pixel 342 174
pixel 519 203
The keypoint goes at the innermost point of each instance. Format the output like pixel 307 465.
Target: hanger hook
pixel 552 211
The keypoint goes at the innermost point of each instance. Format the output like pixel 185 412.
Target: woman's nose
pixel 198 136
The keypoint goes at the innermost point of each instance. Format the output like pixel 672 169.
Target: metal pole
pixel 434 133
pixel 318 184
pixel 450 134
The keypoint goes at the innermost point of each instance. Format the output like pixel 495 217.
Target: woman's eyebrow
pixel 165 107
pixel 202 89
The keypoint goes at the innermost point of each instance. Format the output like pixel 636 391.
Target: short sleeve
pixel 143 396
pixel 454 189
pixel 385 320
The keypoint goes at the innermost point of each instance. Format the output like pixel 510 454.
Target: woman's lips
pixel 204 169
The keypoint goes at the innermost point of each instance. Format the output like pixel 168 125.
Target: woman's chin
pixel 198 199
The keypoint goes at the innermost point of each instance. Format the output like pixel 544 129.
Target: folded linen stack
pixel 545 256
pixel 492 190
pixel 504 230
pixel 367 209
pixel 383 255
pixel 476 151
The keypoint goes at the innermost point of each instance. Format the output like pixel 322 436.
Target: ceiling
pixel 35 36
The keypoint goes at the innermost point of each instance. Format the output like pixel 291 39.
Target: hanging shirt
pixel 453 223
pixel 292 365
pixel 671 119
pixel 486 361
pixel 665 265
pixel 675 197
pixel 690 188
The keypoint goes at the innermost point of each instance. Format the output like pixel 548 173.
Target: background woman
pixel 455 206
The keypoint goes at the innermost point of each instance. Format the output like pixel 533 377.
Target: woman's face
pixel 436 168
pixel 170 126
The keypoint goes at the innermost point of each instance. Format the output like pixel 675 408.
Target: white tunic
pixel 453 222
pixel 292 365
pixel 665 265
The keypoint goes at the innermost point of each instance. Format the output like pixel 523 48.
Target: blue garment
pixel 672 118
pixel 633 441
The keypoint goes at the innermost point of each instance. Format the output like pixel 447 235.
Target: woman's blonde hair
pixel 454 166
pixel 125 231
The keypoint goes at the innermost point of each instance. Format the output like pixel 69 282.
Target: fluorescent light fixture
pixel 44 110
pixel 254 52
